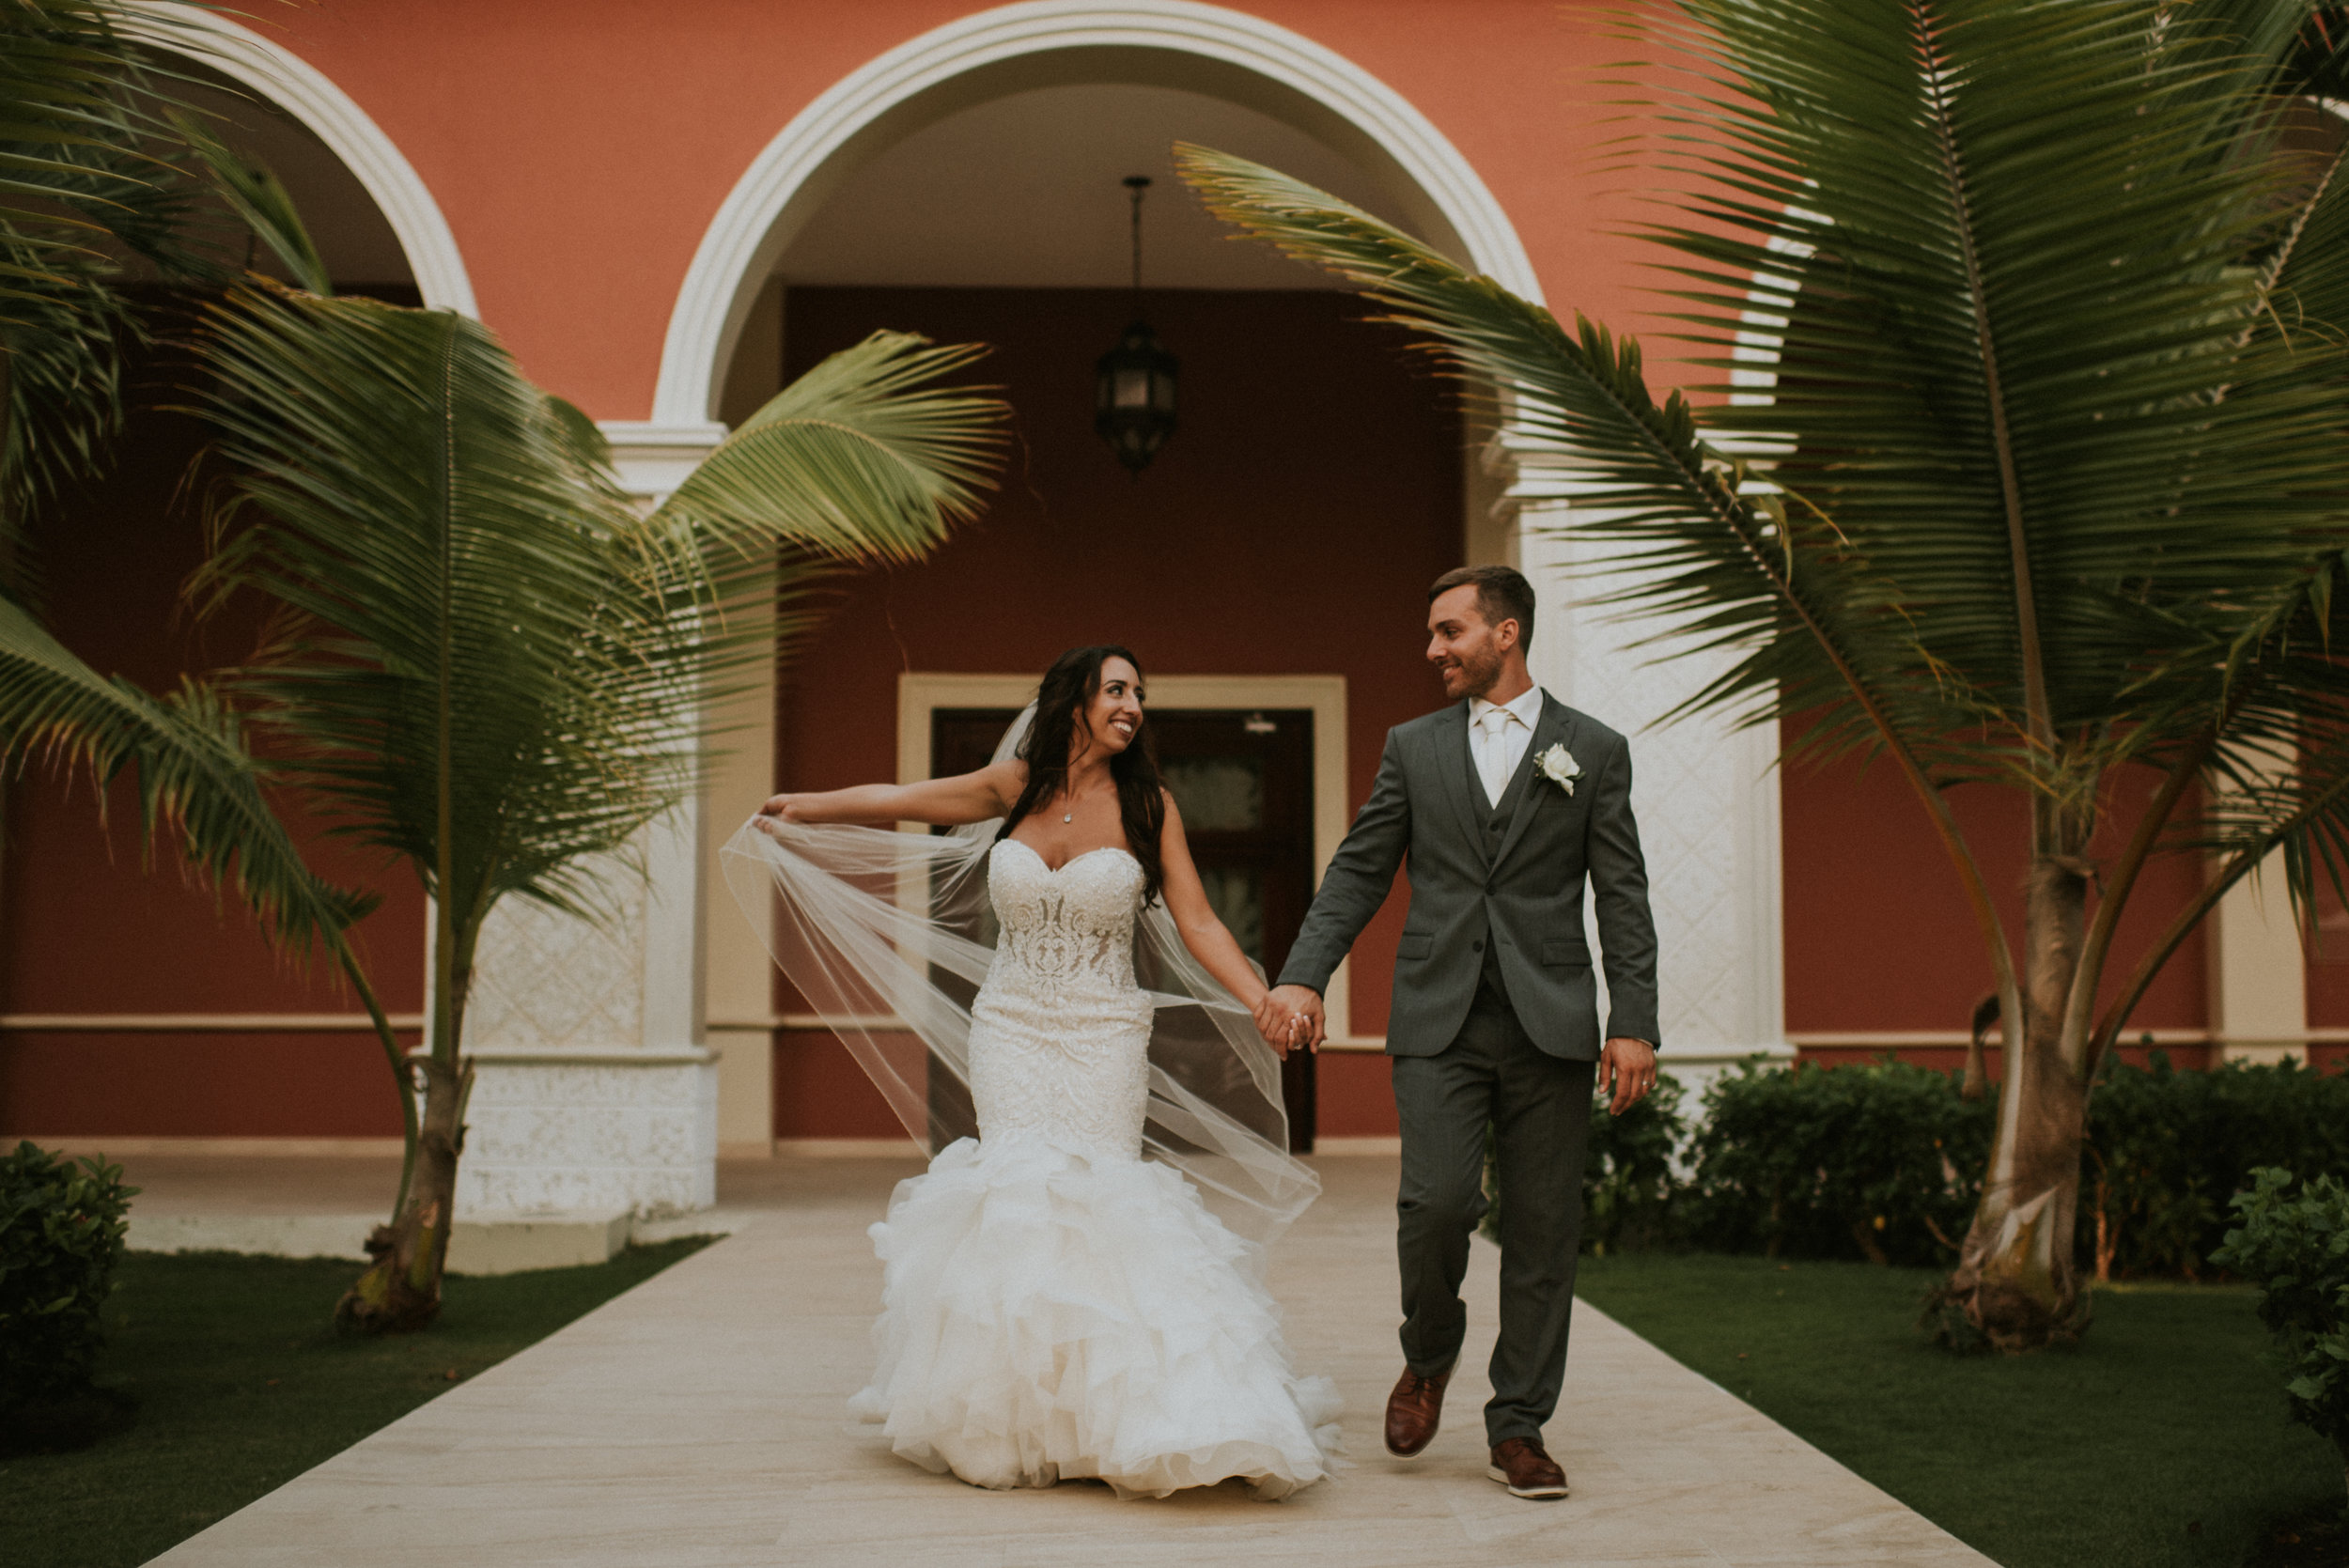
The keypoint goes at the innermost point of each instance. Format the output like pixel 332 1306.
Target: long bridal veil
pixel 888 935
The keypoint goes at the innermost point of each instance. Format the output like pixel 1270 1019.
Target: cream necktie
pixel 1494 724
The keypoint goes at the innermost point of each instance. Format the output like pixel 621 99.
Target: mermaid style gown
pixel 1054 1304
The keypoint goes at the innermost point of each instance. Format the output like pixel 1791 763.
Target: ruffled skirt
pixel 1048 1316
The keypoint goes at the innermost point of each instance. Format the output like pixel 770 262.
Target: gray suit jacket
pixel 1527 898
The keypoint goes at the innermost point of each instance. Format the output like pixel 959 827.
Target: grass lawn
pixel 243 1383
pixel 2160 1442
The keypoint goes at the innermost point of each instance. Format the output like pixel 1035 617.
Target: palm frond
pixel 1725 558
pixel 95 166
pixel 498 666
pixel 256 194
pixel 426 509
pixel 2011 366
pixel 197 785
pixel 862 459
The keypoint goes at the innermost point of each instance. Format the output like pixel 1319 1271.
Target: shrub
pixel 1629 1184
pixel 1881 1161
pixel 61 1229
pixel 2166 1150
pixel 2295 1248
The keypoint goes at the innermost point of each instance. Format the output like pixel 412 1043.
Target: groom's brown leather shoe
pixel 1412 1412
pixel 1525 1468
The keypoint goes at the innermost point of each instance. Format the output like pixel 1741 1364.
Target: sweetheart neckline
pixel 1051 870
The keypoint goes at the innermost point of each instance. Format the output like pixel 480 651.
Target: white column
pixel 737 974
pixel 2257 985
pixel 1706 794
pixel 594 1092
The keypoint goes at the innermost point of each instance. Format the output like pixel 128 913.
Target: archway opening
pixel 1320 479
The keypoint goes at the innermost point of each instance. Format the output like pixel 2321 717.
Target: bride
pixel 1055 1305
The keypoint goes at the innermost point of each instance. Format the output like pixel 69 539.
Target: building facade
pixel 667 211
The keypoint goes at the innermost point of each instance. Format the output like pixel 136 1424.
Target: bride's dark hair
pixel 1067 691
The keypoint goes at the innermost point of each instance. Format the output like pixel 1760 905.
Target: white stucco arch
pixel 300 89
pixel 1018 45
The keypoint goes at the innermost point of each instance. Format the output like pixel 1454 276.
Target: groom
pixel 1504 803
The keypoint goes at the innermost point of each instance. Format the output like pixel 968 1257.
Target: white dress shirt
pixel 1499 733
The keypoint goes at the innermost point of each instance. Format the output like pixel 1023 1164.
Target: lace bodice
pixel 1073 926
pixel 1059 1032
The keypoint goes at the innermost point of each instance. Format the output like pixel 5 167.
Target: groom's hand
pixel 1304 1001
pixel 1626 1069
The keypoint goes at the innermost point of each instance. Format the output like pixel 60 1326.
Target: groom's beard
pixel 1476 676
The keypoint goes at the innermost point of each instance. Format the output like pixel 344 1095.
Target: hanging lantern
pixel 1133 386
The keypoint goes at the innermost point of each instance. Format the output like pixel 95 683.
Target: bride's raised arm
pixel 991 792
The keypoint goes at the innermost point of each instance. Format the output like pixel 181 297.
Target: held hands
pixel 1626 1069
pixel 1290 1016
pixel 780 807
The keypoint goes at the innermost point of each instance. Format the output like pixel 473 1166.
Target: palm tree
pixel 493 665
pixel 2045 489
pixel 488 664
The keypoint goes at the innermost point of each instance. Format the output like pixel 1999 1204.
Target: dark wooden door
pixel 1244 783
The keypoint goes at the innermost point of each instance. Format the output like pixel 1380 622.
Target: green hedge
pixel 1880 1161
pixel 1884 1161
pixel 61 1230
pixel 2168 1149
pixel 2295 1246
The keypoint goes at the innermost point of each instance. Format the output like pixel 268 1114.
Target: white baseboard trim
pixel 848 1148
pixel 226 1148
pixel 1342 1147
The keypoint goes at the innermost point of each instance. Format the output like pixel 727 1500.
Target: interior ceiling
pixel 1023 192
pixel 350 232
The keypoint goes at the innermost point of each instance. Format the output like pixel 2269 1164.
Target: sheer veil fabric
pixel 888 935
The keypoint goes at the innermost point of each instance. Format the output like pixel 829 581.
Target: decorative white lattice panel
pixel 546 981
pixel 1705 794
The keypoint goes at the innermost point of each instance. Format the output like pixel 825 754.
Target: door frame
pixel 922 692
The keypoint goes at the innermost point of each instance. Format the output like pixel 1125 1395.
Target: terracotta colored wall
pixel 1292 525
pixel 85 928
pixel 580 150
pixel 2328 958
pixel 1879 936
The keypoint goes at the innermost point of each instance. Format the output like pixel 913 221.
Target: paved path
pixel 699 1420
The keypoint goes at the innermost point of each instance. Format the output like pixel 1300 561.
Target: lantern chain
pixel 1137 183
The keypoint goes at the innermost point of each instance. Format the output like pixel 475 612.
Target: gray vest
pixel 1496 829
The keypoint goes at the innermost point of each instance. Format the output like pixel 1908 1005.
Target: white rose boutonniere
pixel 1559 766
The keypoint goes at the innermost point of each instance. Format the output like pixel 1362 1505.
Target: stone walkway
pixel 698 1420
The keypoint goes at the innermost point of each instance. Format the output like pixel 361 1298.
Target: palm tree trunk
pixel 401 1292
pixel 2017 1285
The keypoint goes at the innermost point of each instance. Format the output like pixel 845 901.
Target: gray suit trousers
pixel 1539 1107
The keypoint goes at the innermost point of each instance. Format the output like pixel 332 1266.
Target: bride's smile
pixel 1114 718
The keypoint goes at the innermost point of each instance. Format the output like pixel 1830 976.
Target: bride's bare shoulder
pixel 1008 777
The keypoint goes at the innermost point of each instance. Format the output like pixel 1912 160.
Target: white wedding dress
pixel 1054 1304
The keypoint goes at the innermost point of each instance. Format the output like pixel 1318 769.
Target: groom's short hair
pixel 1503 594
